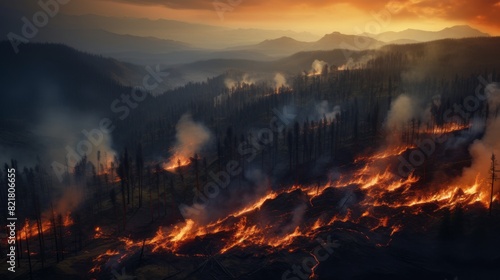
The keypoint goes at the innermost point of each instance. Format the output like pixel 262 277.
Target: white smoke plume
pixel 245 79
pixel 66 140
pixel 191 138
pixel 280 81
pixel 403 110
pixel 323 109
pixel 481 150
pixel 230 83
pixel 356 64
pixel 297 218
pixel 317 66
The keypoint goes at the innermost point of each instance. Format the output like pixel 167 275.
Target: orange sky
pixel 319 17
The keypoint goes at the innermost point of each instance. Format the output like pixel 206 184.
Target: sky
pixel 316 16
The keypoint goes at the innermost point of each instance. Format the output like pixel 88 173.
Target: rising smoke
pixel 403 109
pixel 280 81
pixel 324 110
pixel 318 66
pixel 191 137
pixel 481 150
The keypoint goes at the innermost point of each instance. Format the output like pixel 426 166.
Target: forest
pixel 237 176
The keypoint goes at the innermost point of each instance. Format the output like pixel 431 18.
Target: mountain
pixel 185 56
pixel 276 47
pixel 457 54
pixel 293 64
pixel 197 35
pixel 104 42
pixel 284 46
pixel 454 32
pixel 337 40
pixel 51 92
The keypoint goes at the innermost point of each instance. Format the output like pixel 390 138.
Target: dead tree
pixel 493 177
pixel 26 232
pixel 61 235
pixel 54 230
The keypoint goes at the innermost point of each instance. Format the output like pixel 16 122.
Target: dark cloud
pixel 176 4
pixel 483 12
pixel 478 11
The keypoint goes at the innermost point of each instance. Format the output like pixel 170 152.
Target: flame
pixel 98 233
pixel 177 160
pixel 445 128
pixel 30 228
pixel 381 187
pixel 97 260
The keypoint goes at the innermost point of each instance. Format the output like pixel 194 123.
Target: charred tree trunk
pixel 54 230
pixel 61 235
pixel 26 232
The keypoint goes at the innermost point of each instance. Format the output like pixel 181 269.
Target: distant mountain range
pixel 454 32
pixel 170 42
pixel 458 54
pixel 104 42
pixel 286 46
pixel 197 35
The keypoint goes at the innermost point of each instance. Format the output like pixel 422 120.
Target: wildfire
pixel 175 161
pixel 31 228
pixel 445 128
pixel 98 260
pixel 385 154
pixel 98 233
pixel 381 188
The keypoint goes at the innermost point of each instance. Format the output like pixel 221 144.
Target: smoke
pixel 403 110
pixel 436 100
pixel 69 200
pixel 244 80
pixel 67 139
pixel 318 66
pixel 323 110
pixel 236 195
pixel 280 81
pixel 221 98
pixel 191 137
pixel 481 150
pixel 230 83
pixel 196 212
pixel 297 218
pixel 356 64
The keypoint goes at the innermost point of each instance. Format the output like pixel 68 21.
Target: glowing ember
pixel 99 259
pixel 445 128
pixel 380 187
pixel 98 233
pixel 31 228
pixel 176 161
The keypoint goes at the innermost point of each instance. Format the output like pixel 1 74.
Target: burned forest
pixel 322 163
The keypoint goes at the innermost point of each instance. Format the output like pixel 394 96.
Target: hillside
pixel 463 54
pixel 284 46
pixel 52 92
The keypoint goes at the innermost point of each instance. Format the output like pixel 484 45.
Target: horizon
pixel 250 139
pixel 316 18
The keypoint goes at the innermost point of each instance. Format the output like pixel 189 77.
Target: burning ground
pixel 373 217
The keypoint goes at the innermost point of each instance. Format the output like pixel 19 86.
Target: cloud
pixel 204 4
pixel 179 4
pixel 481 11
